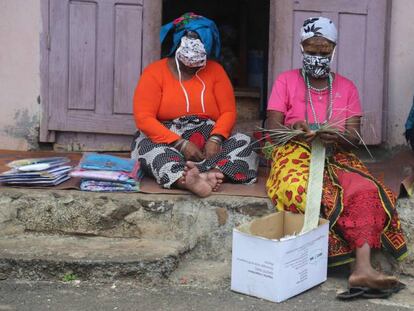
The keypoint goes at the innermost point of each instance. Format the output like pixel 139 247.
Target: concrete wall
pixel 401 70
pixel 20 27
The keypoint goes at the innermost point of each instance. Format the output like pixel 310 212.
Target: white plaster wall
pixel 401 70
pixel 20 28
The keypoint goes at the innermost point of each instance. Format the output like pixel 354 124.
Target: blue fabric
pixel 206 29
pixel 96 161
pixel 410 120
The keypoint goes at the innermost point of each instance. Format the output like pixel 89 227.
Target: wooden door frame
pixel 44 134
pixel 279 45
pixel 275 44
pixel 386 70
pixel 151 51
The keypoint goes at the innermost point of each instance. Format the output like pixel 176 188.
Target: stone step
pixel 43 257
pixel 203 224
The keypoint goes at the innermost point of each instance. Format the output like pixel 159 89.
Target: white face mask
pixel 191 52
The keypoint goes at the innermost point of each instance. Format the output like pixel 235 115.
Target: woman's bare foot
pixel 214 177
pixel 201 184
pixel 372 279
pixel 364 275
pixel 217 187
pixel 181 181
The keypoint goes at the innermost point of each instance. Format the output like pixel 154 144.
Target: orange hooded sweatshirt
pixel 159 97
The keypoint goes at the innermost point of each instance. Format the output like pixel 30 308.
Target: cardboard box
pixel 269 261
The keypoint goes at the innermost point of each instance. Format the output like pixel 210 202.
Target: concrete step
pixel 204 225
pixel 39 257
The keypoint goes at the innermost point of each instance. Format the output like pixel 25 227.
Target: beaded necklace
pixel 319 90
pixel 308 97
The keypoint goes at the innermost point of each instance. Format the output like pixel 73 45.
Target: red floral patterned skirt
pixel 363 217
pixel 360 208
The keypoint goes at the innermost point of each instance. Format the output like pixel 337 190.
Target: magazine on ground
pixel 50 171
pixel 39 182
pixel 52 161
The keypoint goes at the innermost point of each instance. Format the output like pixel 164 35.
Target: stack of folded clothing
pixel 50 171
pixel 108 173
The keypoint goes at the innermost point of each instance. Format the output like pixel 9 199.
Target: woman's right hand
pixel 192 153
pixel 303 126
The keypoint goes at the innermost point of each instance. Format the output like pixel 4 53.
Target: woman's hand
pixel 211 148
pixel 191 152
pixel 328 138
pixel 348 139
pixel 303 126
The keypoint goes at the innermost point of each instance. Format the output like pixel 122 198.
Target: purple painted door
pixel 360 54
pixel 96 54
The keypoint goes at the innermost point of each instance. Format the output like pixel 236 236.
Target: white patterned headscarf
pixel 318 27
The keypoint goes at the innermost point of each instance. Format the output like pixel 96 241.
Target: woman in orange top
pixel 185 110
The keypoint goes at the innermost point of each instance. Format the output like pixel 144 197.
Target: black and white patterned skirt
pixel 237 160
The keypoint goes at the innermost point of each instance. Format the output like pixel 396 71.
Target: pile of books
pixel 108 173
pixel 50 171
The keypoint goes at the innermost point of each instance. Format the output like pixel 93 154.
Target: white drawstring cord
pixel 202 92
pixel 182 86
pixel 333 54
pixel 184 90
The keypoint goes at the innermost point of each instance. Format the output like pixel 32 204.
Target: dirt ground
pixel 123 295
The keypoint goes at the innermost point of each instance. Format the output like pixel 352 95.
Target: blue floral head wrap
pixel 204 27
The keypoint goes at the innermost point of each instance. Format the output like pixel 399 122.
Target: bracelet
pixel 215 139
pixel 184 145
pixel 177 144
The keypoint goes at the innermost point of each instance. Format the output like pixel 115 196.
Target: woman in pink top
pixel 360 209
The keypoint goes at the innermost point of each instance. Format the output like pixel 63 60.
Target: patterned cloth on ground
pixel 114 176
pixel 107 186
pixel 108 173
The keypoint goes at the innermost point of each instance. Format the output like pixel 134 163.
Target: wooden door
pixel 96 52
pixel 360 54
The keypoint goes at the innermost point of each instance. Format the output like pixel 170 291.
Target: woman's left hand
pixel 328 138
pixel 211 148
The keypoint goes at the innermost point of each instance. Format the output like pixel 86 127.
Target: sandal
pixel 372 293
pixel 365 292
pixel 399 286
pixel 351 293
